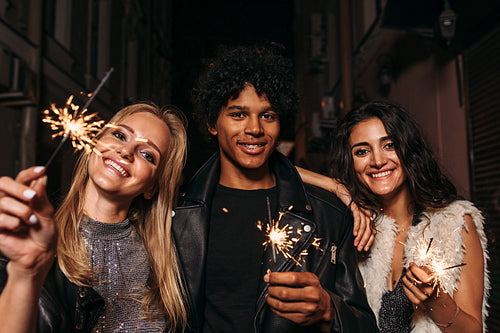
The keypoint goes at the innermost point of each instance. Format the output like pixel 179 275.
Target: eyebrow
pixel 382 139
pixel 245 108
pixel 149 142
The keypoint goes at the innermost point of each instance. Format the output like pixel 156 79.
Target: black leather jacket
pixel 335 264
pixel 63 306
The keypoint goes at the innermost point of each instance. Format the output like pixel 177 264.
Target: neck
pixel 104 207
pixel 399 207
pixel 246 179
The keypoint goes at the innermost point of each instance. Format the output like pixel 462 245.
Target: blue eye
pixel 119 135
pixel 149 157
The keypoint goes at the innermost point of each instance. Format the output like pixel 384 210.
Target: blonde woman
pixel 115 266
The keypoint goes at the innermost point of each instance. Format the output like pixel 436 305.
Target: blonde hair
pixel 153 219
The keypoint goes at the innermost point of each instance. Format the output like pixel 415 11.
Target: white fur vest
pixel 445 227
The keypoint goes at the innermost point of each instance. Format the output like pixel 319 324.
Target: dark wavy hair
pixel 261 65
pixel 428 186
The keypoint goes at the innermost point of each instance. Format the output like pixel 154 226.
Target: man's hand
pixel 299 297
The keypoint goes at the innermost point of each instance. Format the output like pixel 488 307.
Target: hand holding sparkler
pixel 420 283
pixel 299 297
pixel 27 228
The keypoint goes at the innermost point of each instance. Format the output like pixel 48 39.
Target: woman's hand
pixel 363 228
pixel 28 240
pixel 27 230
pixel 419 284
pixel 463 312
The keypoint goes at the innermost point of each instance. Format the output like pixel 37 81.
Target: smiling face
pixel 376 163
pixel 247 130
pixel 131 154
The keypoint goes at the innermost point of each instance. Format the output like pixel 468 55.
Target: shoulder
pixel 329 212
pixel 455 214
pixel 459 207
pixel 324 199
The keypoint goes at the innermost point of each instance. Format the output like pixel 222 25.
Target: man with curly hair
pixel 235 282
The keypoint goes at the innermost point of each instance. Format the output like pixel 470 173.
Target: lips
pixel 381 174
pixel 252 148
pixel 115 166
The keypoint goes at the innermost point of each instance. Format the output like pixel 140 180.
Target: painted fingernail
pixel 266 278
pixel 29 194
pixel 44 180
pixel 33 219
pixel 38 169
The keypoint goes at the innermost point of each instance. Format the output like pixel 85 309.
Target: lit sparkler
pixel 282 240
pixel 70 123
pixel 434 258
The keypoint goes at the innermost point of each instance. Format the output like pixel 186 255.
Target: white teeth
pixel 255 146
pixel 116 167
pixel 381 174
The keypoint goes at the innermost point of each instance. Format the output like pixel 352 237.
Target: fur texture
pixel 445 227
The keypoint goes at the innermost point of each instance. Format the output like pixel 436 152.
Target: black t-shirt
pixel 234 258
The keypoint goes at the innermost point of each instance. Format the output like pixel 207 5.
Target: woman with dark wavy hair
pixel 427 268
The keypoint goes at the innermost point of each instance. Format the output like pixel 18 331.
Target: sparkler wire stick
pixel 454 266
pixel 104 79
pixel 270 221
pixel 429 246
pixel 68 132
pixel 65 137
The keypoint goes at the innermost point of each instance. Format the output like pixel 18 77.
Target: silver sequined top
pixel 122 268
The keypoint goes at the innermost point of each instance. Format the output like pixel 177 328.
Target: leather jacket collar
pixel 191 226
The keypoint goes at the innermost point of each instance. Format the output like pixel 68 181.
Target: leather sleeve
pixel 352 312
pixel 3 271
pixel 338 267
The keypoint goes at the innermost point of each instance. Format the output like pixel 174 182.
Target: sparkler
pixel 274 236
pixel 281 239
pixel 278 238
pixel 435 258
pixel 69 123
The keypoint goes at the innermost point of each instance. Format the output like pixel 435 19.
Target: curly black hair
pixel 261 65
pixel 429 187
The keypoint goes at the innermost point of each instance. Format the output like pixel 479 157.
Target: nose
pixel 254 127
pixel 378 158
pixel 126 151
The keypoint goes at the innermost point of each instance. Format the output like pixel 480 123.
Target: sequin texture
pixel 396 310
pixel 119 260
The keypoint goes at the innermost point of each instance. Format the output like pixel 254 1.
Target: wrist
pixel 449 323
pixel 31 273
pixel 326 322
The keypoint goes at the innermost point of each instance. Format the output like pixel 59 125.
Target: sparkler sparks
pixel 283 239
pixel 279 238
pixel 69 123
pixel 434 257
